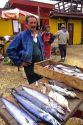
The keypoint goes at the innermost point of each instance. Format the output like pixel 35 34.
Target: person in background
pixel 27 48
pixel 48 39
pixel 63 38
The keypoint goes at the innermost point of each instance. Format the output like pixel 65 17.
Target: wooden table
pixel 73 105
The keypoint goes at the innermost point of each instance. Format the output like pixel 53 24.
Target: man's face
pixel 47 28
pixel 32 24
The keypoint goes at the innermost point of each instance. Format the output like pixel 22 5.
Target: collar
pixel 35 37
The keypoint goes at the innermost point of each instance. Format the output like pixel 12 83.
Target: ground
pixel 10 77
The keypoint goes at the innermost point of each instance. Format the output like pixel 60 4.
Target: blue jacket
pixel 21 48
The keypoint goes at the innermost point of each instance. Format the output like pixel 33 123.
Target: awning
pixel 16 14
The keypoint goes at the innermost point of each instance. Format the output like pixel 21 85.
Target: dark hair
pixel 31 16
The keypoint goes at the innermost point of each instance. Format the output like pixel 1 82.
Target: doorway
pixel 70 30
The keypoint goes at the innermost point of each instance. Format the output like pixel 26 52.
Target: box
pixel 71 81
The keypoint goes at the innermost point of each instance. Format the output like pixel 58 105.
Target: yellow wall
pixel 6 27
pixel 54 24
pixel 76 31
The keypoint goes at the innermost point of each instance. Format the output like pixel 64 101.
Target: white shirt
pixel 62 36
pixel 35 37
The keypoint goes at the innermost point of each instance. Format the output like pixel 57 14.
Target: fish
pixel 52 67
pixel 35 110
pixel 30 114
pixel 79 75
pixel 59 99
pixel 21 117
pixel 62 91
pixel 74 69
pixel 45 99
pixel 61 70
pixel 41 105
pixel 71 71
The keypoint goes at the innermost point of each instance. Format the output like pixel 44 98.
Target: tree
pixel 7 5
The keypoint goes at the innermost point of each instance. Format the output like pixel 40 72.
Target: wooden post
pixel 63 5
pixel 39 15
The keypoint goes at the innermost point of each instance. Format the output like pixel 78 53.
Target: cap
pixel 62 26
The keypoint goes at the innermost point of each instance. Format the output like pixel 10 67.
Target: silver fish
pixel 62 91
pixel 45 99
pixel 68 70
pixel 21 117
pixel 35 110
pixel 41 105
pixel 59 99
pixel 71 69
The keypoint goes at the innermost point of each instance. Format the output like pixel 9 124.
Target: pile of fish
pixel 58 93
pixel 65 91
pixel 35 106
pixel 20 115
pixel 72 71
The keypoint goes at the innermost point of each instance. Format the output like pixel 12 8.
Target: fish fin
pixel 68 109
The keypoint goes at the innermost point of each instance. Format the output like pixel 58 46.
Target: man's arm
pixel 12 50
pixel 57 34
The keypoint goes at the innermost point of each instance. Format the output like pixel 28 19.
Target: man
pixel 27 48
pixel 48 39
pixel 63 37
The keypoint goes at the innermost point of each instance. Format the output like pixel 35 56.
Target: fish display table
pixel 73 105
pixel 68 74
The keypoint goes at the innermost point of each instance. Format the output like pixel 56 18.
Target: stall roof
pixel 39 8
pixel 78 1
pixel 68 9
pixel 31 3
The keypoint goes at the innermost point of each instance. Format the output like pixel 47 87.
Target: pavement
pixel 74 56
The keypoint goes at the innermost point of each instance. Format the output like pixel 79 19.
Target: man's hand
pixel 24 64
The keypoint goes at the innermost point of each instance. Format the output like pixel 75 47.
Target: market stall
pixel 16 14
pixel 52 100
pixel 69 75
pixel 12 21
pixel 73 103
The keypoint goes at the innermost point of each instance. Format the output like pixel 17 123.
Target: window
pixel 59 25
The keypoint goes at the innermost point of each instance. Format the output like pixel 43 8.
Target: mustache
pixel 33 27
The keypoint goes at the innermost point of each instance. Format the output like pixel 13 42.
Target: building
pixel 70 14
pixel 39 8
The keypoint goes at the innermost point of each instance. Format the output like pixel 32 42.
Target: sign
pixel 15 26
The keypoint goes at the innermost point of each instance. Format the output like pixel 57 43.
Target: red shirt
pixel 47 45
